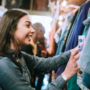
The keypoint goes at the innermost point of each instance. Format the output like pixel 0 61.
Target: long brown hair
pixel 8 24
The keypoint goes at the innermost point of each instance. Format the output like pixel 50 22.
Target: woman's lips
pixel 29 37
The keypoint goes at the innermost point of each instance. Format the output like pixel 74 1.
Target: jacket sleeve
pixel 46 64
pixel 58 84
pixel 12 79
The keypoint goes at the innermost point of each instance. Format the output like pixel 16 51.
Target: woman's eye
pixel 27 25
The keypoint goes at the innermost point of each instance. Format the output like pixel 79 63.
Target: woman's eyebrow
pixel 28 22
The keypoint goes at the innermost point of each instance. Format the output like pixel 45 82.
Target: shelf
pixel 44 13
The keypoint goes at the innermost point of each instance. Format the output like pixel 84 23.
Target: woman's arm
pixel 12 79
pixel 46 64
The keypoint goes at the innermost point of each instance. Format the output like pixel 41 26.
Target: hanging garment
pixel 67 21
pixel 62 68
pixel 78 29
pixel 72 28
pixel 68 31
pixel 57 35
pixel 84 60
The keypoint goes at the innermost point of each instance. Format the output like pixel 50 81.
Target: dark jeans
pixel 40 81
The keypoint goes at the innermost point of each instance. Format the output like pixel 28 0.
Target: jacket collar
pixel 13 53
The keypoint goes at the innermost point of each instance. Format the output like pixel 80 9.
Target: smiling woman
pixel 16 30
pixel 24 31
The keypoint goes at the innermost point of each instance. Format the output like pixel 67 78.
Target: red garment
pixel 42 47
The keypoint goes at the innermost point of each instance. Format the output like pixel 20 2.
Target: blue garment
pixel 87 25
pixel 85 56
pixel 61 39
pixel 12 79
pixel 79 27
pixel 62 68
pixel 73 42
pixel 69 18
pixel 74 23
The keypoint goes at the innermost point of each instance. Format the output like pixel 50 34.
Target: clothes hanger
pixel 72 6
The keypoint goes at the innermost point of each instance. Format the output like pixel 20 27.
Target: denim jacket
pixel 84 60
pixel 12 79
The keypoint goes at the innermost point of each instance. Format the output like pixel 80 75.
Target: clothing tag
pixel 81 40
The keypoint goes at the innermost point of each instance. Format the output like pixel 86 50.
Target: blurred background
pixel 53 15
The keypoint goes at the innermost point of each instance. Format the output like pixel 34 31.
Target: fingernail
pixel 77 48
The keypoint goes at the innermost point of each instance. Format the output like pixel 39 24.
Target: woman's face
pixel 24 31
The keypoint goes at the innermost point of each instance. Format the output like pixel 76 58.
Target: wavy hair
pixel 8 24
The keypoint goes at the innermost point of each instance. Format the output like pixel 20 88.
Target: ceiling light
pixel 60 17
pixel 64 3
pixel 60 23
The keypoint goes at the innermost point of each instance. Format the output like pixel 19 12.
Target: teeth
pixel 29 37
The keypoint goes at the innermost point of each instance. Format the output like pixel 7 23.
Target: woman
pixel 16 30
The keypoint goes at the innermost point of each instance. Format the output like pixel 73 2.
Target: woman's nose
pixel 32 30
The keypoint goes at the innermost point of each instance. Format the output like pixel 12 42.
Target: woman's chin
pixel 28 43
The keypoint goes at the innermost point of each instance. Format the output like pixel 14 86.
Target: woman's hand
pixel 72 66
pixel 74 51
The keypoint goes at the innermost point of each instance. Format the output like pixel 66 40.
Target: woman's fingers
pixel 77 68
pixel 74 51
pixel 76 57
pixel 72 66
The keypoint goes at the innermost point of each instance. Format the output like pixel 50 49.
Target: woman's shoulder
pixel 8 70
pixel 6 63
pixel 4 59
